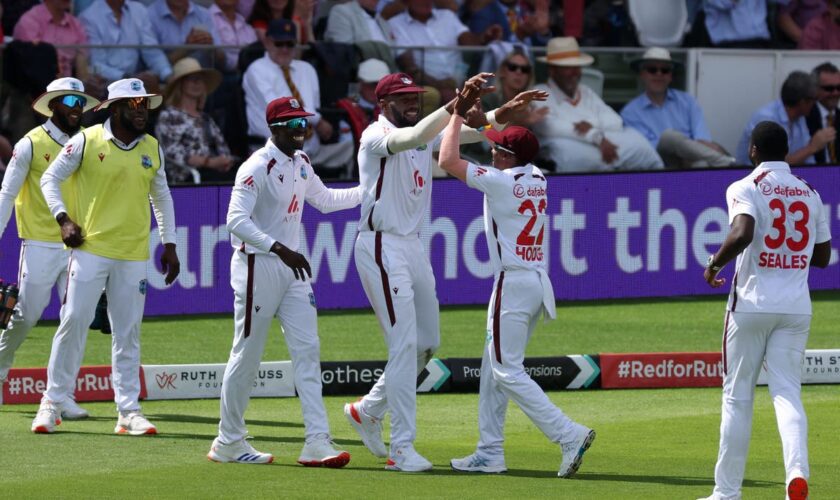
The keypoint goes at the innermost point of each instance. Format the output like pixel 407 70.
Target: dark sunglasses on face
pixel 71 101
pixel 288 44
pixel 522 68
pixel 136 103
pixel 830 88
pixel 665 70
pixel 293 123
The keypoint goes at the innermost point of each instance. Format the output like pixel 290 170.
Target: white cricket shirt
pixel 771 274
pixel 266 204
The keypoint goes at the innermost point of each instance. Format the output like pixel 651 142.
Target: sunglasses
pixel 498 148
pixel 287 44
pixel 830 88
pixel 135 103
pixel 71 101
pixel 293 123
pixel 522 68
pixel 665 70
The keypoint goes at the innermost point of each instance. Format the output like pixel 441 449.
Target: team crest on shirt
pixel 46 157
pixel 145 161
pixel 101 157
pixel 143 285
pixel 303 172
pixel 311 299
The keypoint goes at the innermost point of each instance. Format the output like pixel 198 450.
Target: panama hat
pixel 61 87
pixel 564 51
pixel 189 66
pixel 654 54
pixel 129 88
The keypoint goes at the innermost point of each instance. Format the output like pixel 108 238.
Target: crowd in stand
pixel 220 62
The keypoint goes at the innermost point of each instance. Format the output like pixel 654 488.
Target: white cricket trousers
pixel 40 268
pixel 124 282
pixel 515 307
pixel 778 340
pixel 400 285
pixel 265 288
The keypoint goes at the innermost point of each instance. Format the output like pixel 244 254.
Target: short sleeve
pixel 739 201
pixel 375 141
pixel 823 227
pixel 488 180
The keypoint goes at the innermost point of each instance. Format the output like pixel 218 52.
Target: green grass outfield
pixel 651 443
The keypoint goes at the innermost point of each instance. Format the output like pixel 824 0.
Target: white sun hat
pixel 129 88
pixel 61 87
pixel 564 51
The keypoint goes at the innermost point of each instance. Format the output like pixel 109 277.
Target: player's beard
pixel 400 120
pixel 64 123
pixel 129 124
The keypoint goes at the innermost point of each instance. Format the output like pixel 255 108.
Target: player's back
pixel 772 273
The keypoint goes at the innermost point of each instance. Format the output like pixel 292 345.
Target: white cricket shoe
pixel 479 463
pixel 369 429
pixel 240 452
pixel 574 449
pixel 406 459
pixel 71 411
pixel 134 423
pixel 47 418
pixel 321 452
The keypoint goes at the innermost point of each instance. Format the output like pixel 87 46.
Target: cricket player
pixel 395 170
pixel 515 201
pixel 43 258
pixel 117 168
pixel 268 277
pixel 778 230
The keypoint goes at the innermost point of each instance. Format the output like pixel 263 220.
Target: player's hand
pixel 582 127
pixel 169 263
pixel 475 117
pixel 480 80
pixel 609 151
pixel 292 259
pixel 712 279
pixel 71 233
pixel 519 104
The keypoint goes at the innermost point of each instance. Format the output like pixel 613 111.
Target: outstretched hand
pixel 519 103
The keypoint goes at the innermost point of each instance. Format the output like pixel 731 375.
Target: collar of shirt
pixel 385 122
pixel 56 133
pixel 772 165
pixel 823 112
pixel 561 96
pixel 238 20
pixel 109 136
pixel 277 154
pixel 670 95
pixel 411 19
pixel 44 14
pixel 781 114
pixel 109 13
pixel 166 11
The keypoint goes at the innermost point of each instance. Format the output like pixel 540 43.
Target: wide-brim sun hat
pixel 189 66
pixel 654 54
pixel 62 87
pixel 129 88
pixel 564 51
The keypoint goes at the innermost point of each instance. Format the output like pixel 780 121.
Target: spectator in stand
pixel 245 7
pixel 581 133
pixel 514 76
pixel 369 74
pixel 357 21
pixel 190 138
pixel 121 22
pixel 52 22
pixel 422 25
pixel 181 22
pixel 391 8
pixel 737 23
pixel 671 120
pixel 231 29
pixel 520 22
pixel 277 74
pixel 823 31
pixel 825 116
pixel 799 93
pixel 266 11
pixel 792 18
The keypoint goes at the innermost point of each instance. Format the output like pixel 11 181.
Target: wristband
pixel 482 128
pixel 710 265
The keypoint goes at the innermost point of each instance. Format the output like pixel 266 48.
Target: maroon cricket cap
pixel 396 83
pixel 520 140
pixel 284 108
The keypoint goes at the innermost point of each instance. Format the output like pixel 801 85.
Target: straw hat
pixel 61 87
pixel 129 88
pixel 564 51
pixel 654 54
pixel 189 66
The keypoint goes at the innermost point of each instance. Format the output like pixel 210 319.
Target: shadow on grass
pixel 668 480
pixel 197 419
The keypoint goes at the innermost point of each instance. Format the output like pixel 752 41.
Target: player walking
pixel 43 257
pixel 268 277
pixel 118 168
pixel 515 201
pixel 778 229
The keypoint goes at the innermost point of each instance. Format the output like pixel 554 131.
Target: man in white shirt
pixel 43 258
pixel 268 277
pixel 515 200
pixel 357 21
pixel 277 74
pixel 778 229
pixel 580 132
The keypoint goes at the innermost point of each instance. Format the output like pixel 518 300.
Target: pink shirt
pixel 821 34
pixel 37 25
pixel 239 34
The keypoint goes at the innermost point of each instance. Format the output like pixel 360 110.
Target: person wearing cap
pixel 278 73
pixel 118 169
pixel 43 258
pixel 581 133
pixel 671 120
pixel 269 279
pixel 190 138
pixel 395 169
pixel 515 199
pixel 369 74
